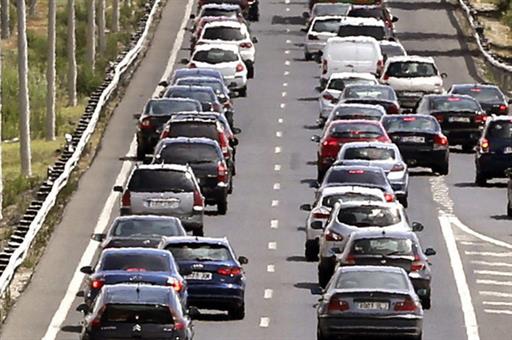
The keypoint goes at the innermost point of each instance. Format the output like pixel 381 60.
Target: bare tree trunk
pixel 72 101
pixel 115 16
pixel 50 72
pixel 1 167
pixel 91 34
pixel 6 28
pixel 25 155
pixel 102 38
pixel 32 10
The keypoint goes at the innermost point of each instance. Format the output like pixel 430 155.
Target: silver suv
pixel 164 189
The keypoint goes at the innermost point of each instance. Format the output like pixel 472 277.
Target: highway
pixel 472 287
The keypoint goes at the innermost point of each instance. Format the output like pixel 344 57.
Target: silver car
pixel 321 29
pixel 164 189
pixel 383 155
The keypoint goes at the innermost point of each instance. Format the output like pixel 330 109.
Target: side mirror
pixel 444 75
pixel 193 312
pixel 305 15
pixel 87 270
pixel 315 139
pixel 306 207
pixel 136 116
pixel 422 292
pixel 243 260
pixel 163 83
pixel 118 188
pixel 236 131
pixel 254 40
pixel 98 237
pixel 430 252
pixel 417 226
pixel 192 16
pixel 317 225
pixel 394 19
pixel 83 308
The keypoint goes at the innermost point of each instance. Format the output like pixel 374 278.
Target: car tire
pixel 404 201
pixel 198 231
pixel 480 179
pixel 467 147
pixel 426 302
pixel 141 152
pixel 308 56
pixel 222 205
pixel 311 250
pixel 442 169
pixel 243 92
pixel 322 336
pixel 325 272
pixel 237 313
pixel 250 69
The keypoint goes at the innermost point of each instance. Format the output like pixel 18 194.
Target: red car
pixel 341 132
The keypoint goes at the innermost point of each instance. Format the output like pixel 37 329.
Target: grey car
pixel 164 189
pixel 369 300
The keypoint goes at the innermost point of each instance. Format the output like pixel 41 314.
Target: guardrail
pixel 58 175
pixel 501 71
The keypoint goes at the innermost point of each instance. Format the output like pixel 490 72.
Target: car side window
pixel 421 106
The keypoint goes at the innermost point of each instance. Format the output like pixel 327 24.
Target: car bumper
pixel 418 156
pixel 353 324
pixel 235 82
pixel 494 165
pixel 213 194
pixel 213 296
pixel 462 136
pixel 313 47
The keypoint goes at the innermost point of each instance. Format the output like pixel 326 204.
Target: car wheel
pixel 250 70
pixel 311 250
pixel 426 302
pixel 198 232
pixel 243 92
pixel 308 56
pixel 237 313
pixel 141 152
pixel 222 206
pixel 404 201
pixel 442 169
pixel 509 209
pixel 325 272
pixel 480 180
pixel 468 147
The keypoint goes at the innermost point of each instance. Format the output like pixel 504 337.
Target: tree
pixel 26 167
pixel 6 29
pixel 32 10
pixel 71 51
pixel 1 173
pixel 91 34
pixel 50 72
pixel 115 16
pixel 102 38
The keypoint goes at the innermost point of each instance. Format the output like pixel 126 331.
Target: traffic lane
pixel 71 236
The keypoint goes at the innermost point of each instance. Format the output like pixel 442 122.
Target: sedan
pixel 490 97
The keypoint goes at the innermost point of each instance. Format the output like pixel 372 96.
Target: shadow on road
pixel 313 287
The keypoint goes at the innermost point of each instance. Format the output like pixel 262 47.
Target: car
pixel 133 265
pixel 356 112
pixel 336 84
pixel 320 211
pixel 393 248
pixel 382 95
pixel 508 172
pixel 320 29
pixel 391 49
pixel 227 59
pixel 367 301
pixel 490 97
pixel 420 140
pixel 250 8
pixel 203 94
pixel 379 12
pixel 191 72
pixel 344 131
pixel 156 112
pixel 164 189
pixel 350 54
pixel 198 29
pixel 205 157
pixel 338 9
pixel 216 279
pixel 384 155
pixel 412 77
pixel 347 218
pixel 461 117
pixel 494 150
pixel 139 231
pixel 127 311
pixel 235 34
pixel 216 10
pixel 364 27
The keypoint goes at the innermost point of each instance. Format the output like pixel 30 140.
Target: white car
pixel 320 211
pixel 412 77
pixel 225 58
pixel 234 33
pixel 335 85
pixel 365 27
pixel 322 9
pixel 350 54
pixel 321 29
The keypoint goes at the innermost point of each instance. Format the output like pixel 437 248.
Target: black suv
pixel 490 97
pixel 205 158
pixel 156 112
pixel 494 151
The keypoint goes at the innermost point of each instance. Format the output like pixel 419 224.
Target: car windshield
pixel 156 180
pixel 135 262
pixel 369 92
pixel 146 227
pixel 137 314
pixel 411 69
pixel 382 246
pixel 326 26
pixel 392 50
pixel 482 94
pixel 217 12
pixel 199 252
pixel 500 130
pixel 331 200
pixel 454 104
pixel 355 130
pixel 215 56
pixel 199 95
pixel 410 124
pixel 372 279
pixel 366 113
pixel 370 154
pixel 216 86
pixel 189 153
pixel 376 32
pixel 356 176
pixel 369 216
pixel 194 129
pixel 167 106
pixel 340 84
pixel 223 33
pixel 331 9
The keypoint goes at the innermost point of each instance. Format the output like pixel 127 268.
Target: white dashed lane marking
pixel 495 294
pixel 497 303
pixel 286 73
pixel 276 186
pixel 272 245
pixel 277 149
pixel 268 293
pixel 287 62
pixel 288 41
pixel 275 203
pixel 498 311
pixel 282 105
pixel 271 268
pixel 264 322
pixel 494 283
pixel 280 120
pixel 279 134
pixel 489 253
pixel 277 167
pixel 491 272
pixel 285 84
pixel 283 94
pixel 274 224
pixel 492 264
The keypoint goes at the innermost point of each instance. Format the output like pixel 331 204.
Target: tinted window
pixel 369 92
pixel 330 201
pixel 411 69
pixel 368 12
pixel 372 279
pixel 357 113
pixel 338 9
pixel 216 86
pixel 149 227
pixel 482 94
pixel 412 124
pixel 162 107
pixel 135 262
pixel 215 56
pixel 223 33
pixel 369 216
pixel 355 130
pixel 192 153
pixel 326 26
pixel 370 154
pixel 194 129
pixel 454 104
pixel 356 176
pixel 199 95
pixel 339 84
pixel 154 180
pixel 199 252
pixel 137 314
pixel 500 130
pixel 382 246
pixel 215 12
pixel 376 32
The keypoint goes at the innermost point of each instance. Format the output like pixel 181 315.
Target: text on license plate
pixel 507 150
pixel 204 276
pixel 412 139
pixel 163 204
pixel 372 305
pixel 459 119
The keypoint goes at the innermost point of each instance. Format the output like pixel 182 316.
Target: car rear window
pixel 216 86
pixel 199 95
pixel 163 107
pixel 356 130
pixel 331 9
pixel 357 176
pixel 454 104
pixel 326 26
pixel 331 200
pixel 376 32
pixel 135 262
pixel 369 92
pixel 357 112
pixel 382 246
pixel 215 56
pixel 482 94
pixel 147 227
pixel 217 12
pixel 372 279
pixel 339 84
pixel 370 154
pixel 199 252
pixel 500 130
pixel 194 129
pixel 411 69
pixel 223 33
pixel 137 314
pixel 369 216
pixel 189 153
pixel 410 124
pixel 159 180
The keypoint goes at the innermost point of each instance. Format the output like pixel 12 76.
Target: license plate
pixel 372 305
pixel 508 150
pixel 163 204
pixel 412 139
pixel 459 119
pixel 412 94
pixel 202 276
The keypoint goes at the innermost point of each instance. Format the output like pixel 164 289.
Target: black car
pixel 382 95
pixel 205 157
pixel 127 311
pixel 420 140
pixel 139 231
pixel 494 151
pixel 461 117
pixel 391 248
pixel 156 112
pixel 203 94
pixel 490 97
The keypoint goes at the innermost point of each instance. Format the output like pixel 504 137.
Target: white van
pixel 350 54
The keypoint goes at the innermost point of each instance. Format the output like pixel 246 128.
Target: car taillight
pixel 398 167
pixel 126 200
pixel 408 305
pixel 229 271
pixel 384 139
pixel 239 68
pixel 192 65
pixel 324 66
pixel 97 283
pixel 393 110
pixel 330 147
pixel 179 326
pixel 312 37
pixel 328 96
pixel 145 123
pixel 417 264
pixel 350 259
pixel 198 201
pixel 484 145
pixel 320 215
pixel 337 305
pixel 440 142
pixel 246 45
pixel 222 172
pixel 175 283
pixel 389 197
pixel 332 236
pixel 480 118
pixel 385 77
pixel 503 108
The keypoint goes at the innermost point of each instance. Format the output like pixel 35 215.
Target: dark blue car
pixel 215 278
pixel 134 265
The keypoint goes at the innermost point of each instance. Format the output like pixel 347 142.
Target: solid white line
pixel 277 186
pixel 498 311
pixel 492 264
pixel 495 294
pixel 267 294
pixel 275 203
pixel 277 167
pixel 483 237
pixel 272 245
pixel 277 149
pixel 274 224
pixel 494 283
pixel 264 322
pixel 271 268
pixel 460 279
pixel 497 303
pixel 488 253
pixel 491 272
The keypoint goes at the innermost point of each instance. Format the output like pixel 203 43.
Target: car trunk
pixel 129 242
pixel 372 302
pixel 162 203
pixel 458 120
pixel 384 165
pixel 205 272
pixel 402 261
pixel 206 173
pixel 413 139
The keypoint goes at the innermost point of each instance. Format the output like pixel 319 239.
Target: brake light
pixel 329 148
pixel 417 265
pixel 320 215
pixel 126 200
pixel 409 119
pixel 393 110
pixel 408 305
pixel 324 66
pixel 239 68
pixel 480 118
pixel 229 271
pixel 332 236
pixel 328 96
pixel 176 284
pixel 179 326
pixel 350 259
pixel 145 123
pixel 136 269
pixel 503 108
pixel 440 142
pixel 484 145
pixel 385 77
pixel 97 283
pixel 165 132
pixel 356 172
pixel 198 201
pixel 383 139
pixel 337 305
pixel 192 65
pixel 389 197
pixel 398 167
pixel 222 172
pixel 312 37
pixel 246 45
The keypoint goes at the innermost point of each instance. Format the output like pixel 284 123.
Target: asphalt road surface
pixel 472 287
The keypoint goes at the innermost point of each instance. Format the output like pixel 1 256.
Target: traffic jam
pixel 381 112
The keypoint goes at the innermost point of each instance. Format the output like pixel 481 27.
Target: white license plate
pixel 203 276
pixel 412 139
pixel 459 119
pixel 163 204
pixel 413 94
pixel 372 305
pixel 508 150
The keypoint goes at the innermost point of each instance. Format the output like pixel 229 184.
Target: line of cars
pixel 152 276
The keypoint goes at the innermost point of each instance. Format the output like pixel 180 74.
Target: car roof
pixel 416 58
pixel 344 75
pixel 355 39
pixel 174 99
pixel 193 118
pixel 173 167
pixel 189 140
pixel 189 87
pixel 146 217
pixel 354 121
pixel 391 43
pixel 375 233
pixel 234 24
pixel 327 17
pixel 202 79
pixel 356 105
pixel 221 6
pixel 412 115
pixel 357 167
pixel 166 240
pixel 376 86
pixel 125 293
pixel 471 85
pixel 362 21
pixel 389 269
pixel 221 46
pixel 134 251
pixel 362 203
pixel 341 189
